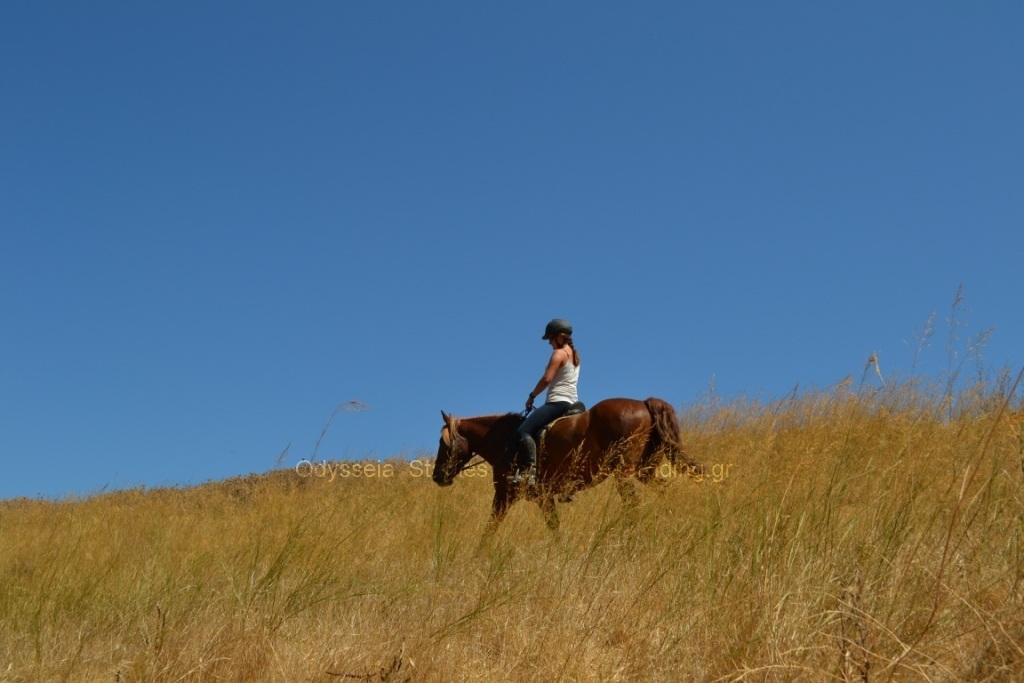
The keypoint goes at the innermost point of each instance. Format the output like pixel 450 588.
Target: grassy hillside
pixel 848 536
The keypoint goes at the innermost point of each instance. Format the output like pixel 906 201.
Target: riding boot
pixel 526 462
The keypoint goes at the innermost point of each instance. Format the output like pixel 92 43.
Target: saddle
pixel 575 409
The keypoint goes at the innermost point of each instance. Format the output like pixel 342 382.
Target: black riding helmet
pixel 557 326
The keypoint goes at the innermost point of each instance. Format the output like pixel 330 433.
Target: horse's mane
pixel 497 417
pixel 506 423
pixel 488 416
pixel 509 420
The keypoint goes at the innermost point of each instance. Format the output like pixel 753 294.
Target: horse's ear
pixel 446 417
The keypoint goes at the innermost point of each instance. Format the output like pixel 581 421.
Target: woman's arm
pixel 556 361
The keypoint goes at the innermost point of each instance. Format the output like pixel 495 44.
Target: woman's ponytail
pixel 575 355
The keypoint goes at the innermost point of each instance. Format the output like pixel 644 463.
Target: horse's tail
pixel 665 436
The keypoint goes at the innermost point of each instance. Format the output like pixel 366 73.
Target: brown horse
pixel 618 437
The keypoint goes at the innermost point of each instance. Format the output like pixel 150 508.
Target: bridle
pixel 453 448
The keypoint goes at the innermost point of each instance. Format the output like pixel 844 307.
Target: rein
pixel 469 464
pixel 454 436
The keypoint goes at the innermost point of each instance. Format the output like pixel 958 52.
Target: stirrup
pixel 521 476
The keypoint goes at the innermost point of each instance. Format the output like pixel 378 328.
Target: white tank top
pixel 563 386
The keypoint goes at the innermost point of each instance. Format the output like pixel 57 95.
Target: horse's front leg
pixel 499 506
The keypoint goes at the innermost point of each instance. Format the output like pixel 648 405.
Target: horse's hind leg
pixel 627 491
pixel 650 459
pixel 647 475
pixel 547 506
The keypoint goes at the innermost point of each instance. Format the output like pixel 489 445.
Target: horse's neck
pixel 487 436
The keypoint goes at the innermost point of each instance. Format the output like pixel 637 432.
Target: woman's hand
pixel 529 403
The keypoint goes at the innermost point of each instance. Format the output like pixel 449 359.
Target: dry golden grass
pixel 857 536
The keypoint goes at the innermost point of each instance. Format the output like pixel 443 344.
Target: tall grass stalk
pixel 852 534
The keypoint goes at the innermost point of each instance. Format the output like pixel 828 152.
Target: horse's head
pixel 452 452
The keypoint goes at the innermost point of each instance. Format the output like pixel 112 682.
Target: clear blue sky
pixel 221 220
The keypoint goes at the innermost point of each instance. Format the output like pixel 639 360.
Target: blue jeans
pixel 547 413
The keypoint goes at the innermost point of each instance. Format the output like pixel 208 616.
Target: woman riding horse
pixel 617 437
pixel 560 377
